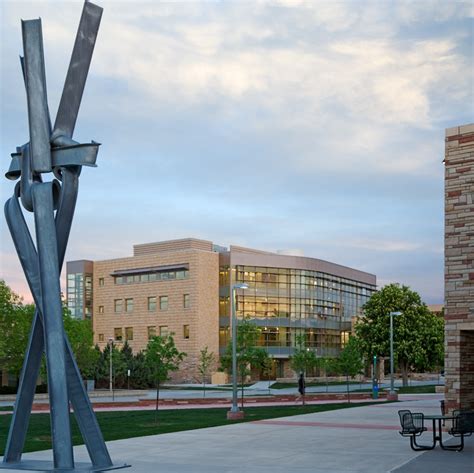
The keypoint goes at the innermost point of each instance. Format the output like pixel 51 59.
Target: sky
pixel 316 127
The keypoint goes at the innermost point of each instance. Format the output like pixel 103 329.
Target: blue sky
pixel 316 126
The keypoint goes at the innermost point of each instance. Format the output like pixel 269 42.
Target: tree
pixel 139 376
pixel 418 334
pixel 15 325
pixel 206 359
pixel 127 357
pixel 326 364
pixel 80 335
pixel 162 358
pixel 248 353
pixel 350 362
pixel 303 359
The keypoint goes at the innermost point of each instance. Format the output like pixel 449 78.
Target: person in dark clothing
pixel 301 386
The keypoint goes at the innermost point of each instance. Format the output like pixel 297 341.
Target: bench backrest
pixel 411 422
pixel 463 422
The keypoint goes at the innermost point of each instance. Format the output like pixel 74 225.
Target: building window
pixel 153 276
pixel 101 281
pixel 186 332
pixel 163 302
pixel 163 330
pixel 118 305
pixel 101 337
pixel 101 309
pixel 128 333
pixel 118 335
pixel 152 303
pixel 151 332
pixel 128 305
pixel 186 301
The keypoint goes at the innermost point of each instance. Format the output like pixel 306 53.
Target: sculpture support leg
pixel 86 418
pixel 53 324
pixel 26 393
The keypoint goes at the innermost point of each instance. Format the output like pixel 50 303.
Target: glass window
pixel 186 301
pixel 101 337
pixel 118 305
pixel 151 332
pixel 118 334
pixel 101 309
pixel 152 303
pixel 163 330
pixel 128 333
pixel 101 281
pixel 163 302
pixel 128 305
pixel 186 332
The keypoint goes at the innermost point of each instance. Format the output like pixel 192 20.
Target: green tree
pixel 162 358
pixel 326 364
pixel 206 359
pixel 249 354
pixel 15 325
pixel 127 358
pixel 303 358
pixel 139 376
pixel 350 362
pixel 418 334
pixel 79 332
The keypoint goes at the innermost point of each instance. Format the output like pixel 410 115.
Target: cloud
pixel 268 124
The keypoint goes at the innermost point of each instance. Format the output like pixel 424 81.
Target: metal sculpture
pixel 52 149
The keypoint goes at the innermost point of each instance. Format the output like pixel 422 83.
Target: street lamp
pixel 235 413
pixel 392 394
pixel 111 385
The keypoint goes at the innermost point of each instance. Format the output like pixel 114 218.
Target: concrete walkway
pixel 357 440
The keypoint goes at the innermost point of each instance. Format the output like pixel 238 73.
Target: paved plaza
pixel 358 440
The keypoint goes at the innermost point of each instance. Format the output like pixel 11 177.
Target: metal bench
pixel 413 426
pixel 463 426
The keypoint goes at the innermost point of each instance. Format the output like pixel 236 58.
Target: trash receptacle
pixel 375 389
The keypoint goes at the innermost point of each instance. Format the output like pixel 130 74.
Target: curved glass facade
pixel 288 302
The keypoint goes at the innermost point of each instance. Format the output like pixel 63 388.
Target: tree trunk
pixel 204 386
pixel 348 390
pixel 404 369
pixel 157 401
pixel 242 399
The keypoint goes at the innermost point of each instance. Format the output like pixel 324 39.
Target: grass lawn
pixel 127 424
pixel 311 384
pixel 429 389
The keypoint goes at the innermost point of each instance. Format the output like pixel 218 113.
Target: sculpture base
pixel 48 466
pixel 235 415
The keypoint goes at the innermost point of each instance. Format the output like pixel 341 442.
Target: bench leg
pixel 417 447
pixel 457 448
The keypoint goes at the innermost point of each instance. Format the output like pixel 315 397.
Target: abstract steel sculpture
pixel 52 149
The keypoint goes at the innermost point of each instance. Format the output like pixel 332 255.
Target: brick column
pixel 459 267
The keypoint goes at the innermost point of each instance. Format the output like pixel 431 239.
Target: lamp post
pixel 234 412
pixel 392 395
pixel 111 384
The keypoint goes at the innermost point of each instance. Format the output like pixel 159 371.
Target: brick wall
pixel 202 316
pixel 459 267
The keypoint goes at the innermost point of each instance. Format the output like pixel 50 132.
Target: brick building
pixel 184 287
pixel 459 267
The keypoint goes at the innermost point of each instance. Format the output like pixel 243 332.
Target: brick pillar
pixel 459 267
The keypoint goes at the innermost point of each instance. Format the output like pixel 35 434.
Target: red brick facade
pixel 459 267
